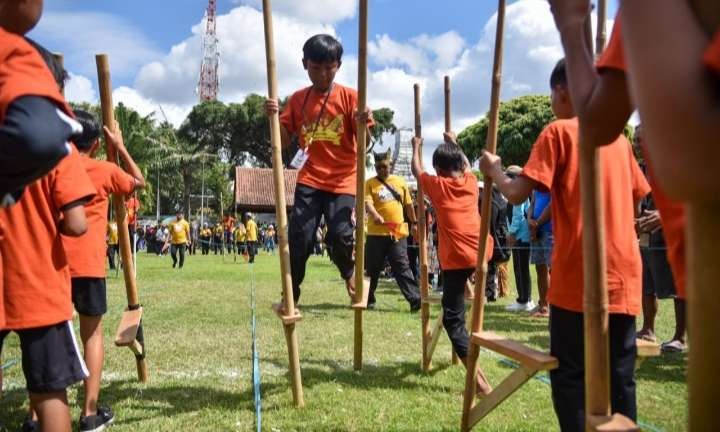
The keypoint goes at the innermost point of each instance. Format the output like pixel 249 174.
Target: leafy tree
pixel 383 124
pixel 521 121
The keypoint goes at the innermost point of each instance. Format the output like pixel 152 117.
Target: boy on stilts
pixel 86 257
pixel 553 165
pixel 323 119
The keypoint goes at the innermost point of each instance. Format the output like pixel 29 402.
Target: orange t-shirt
pixel 672 220
pixel 132 206
pixel 553 163
pixel 86 254
pixel 711 58
pixel 228 223
pixel 455 201
pixel 37 277
pixel 672 213
pixel 332 146
pixel 22 73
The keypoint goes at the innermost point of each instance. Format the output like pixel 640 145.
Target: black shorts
pixel 657 276
pixel 89 295
pixel 50 357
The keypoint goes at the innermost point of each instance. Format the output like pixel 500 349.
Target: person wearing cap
pixel 519 240
pixel 389 204
pixel 251 236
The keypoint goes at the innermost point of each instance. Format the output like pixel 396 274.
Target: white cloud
pixel 81 35
pixel 324 11
pixel 173 79
pixel 130 97
pixel 80 89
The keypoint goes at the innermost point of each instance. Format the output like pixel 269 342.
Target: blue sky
pixel 154 49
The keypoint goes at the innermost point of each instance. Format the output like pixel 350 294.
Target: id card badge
pixel 299 160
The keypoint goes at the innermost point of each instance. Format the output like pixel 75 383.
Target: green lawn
pixel 198 334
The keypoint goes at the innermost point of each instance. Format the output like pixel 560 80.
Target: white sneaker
pixel 515 307
pixel 529 306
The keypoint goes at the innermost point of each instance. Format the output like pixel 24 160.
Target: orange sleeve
pixel 640 185
pixel 122 183
pixel 72 183
pixel 712 54
pixel 429 185
pixel 614 55
pixel 543 160
pixel 291 115
pixel 24 73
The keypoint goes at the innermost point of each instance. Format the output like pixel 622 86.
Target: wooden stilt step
pixel 647 348
pixel 434 298
pixel 362 302
pixel 128 328
pixel 279 310
pixel 613 423
pixel 516 351
pixel 435 335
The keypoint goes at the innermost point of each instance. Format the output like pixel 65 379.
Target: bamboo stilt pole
pixel 108 117
pixel 422 244
pixel 448 127
pixel 595 301
pixel 281 212
pixel 360 195
pixel 477 311
pixel 703 304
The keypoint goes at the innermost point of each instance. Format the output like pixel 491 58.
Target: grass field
pixel 198 335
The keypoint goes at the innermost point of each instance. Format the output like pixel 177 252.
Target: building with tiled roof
pixel 255 192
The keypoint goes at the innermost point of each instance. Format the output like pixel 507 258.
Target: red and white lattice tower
pixel 208 85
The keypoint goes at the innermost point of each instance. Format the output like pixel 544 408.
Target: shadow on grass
pixel 143 402
pixel 395 376
pixel 664 368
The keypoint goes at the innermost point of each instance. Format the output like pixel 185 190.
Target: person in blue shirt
pixel 541 244
pixel 519 239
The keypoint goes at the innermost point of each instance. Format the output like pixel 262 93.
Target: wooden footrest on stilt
pixel 613 423
pixel 647 348
pixel 363 301
pixel 279 310
pixel 433 299
pixel 128 328
pixel 516 351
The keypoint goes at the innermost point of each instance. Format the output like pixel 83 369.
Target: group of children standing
pixel 53 226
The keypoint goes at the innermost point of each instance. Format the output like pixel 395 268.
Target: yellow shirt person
pixel 388 206
pixel 179 231
pixel 239 234
pixel 112 233
pixel 251 229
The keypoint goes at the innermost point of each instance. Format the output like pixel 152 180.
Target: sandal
pixel 646 337
pixel 540 312
pixel 673 346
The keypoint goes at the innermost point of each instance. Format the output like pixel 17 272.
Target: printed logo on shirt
pixel 328 130
pixel 384 195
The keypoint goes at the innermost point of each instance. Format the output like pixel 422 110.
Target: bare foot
pixel 279 308
pixel 350 286
pixel 482 387
pixel 647 335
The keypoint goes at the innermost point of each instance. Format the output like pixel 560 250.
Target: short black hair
pixel 322 48
pixel 52 63
pixel 90 132
pixel 558 77
pixel 449 157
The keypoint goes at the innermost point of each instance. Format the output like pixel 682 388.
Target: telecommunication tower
pixel 208 85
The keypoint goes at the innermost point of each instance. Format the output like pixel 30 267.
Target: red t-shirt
pixel 553 163
pixel 455 201
pixel 22 73
pixel 672 213
pixel 86 254
pixel 712 54
pixel 332 145
pixel 37 277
